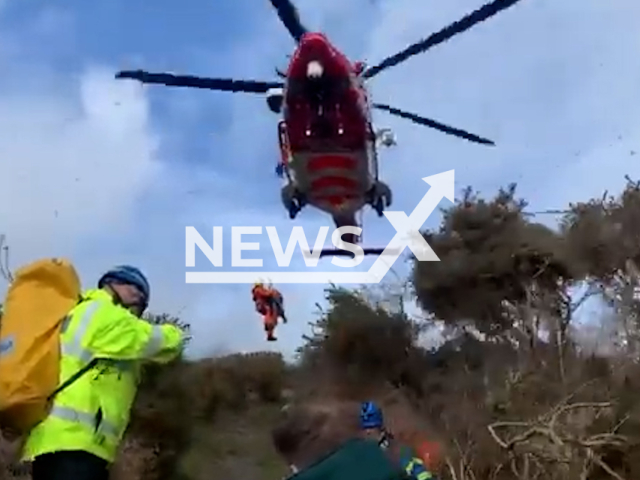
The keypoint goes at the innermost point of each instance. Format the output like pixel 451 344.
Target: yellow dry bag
pixel 39 298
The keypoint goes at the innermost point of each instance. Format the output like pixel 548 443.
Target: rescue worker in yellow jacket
pixel 79 438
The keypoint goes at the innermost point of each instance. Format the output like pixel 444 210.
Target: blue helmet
pixel 129 275
pixel 370 416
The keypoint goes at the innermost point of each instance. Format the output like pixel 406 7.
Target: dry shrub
pixel 262 375
pixel 604 233
pixel 588 230
pixel 10 466
pixel 357 341
pixel 489 253
pixel 455 392
pixel 135 461
pixel 502 408
pixel 175 399
pixel 310 430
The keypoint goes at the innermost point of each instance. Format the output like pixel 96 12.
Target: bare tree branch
pixel 564 445
pixel 5 269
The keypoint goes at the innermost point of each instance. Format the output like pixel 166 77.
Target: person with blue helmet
pixel 373 427
pixel 372 423
pixel 371 415
pixel 129 287
pixel 104 343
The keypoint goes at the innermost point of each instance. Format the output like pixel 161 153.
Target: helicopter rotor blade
pixel 483 13
pixel 188 81
pixel 456 132
pixel 290 17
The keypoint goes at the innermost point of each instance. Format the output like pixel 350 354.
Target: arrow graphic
pixel 408 228
pixel 407 235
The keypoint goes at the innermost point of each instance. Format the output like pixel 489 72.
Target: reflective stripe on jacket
pixel 416 470
pixel 413 466
pixel 92 413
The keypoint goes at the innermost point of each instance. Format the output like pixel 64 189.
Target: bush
pixel 175 399
pixel 490 253
pixel 359 341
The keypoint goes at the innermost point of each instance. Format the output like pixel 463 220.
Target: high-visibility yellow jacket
pixel 93 412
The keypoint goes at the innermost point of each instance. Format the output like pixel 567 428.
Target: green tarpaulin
pixel 355 460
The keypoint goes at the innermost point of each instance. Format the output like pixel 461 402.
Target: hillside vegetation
pixel 517 389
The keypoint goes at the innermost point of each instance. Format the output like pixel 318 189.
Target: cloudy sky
pixel 107 171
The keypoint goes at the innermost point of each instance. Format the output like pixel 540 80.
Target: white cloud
pixel 76 150
pixel 72 165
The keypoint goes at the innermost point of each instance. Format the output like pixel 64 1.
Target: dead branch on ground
pixel 563 446
pixel 463 470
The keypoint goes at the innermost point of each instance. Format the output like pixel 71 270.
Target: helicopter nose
pixel 315 46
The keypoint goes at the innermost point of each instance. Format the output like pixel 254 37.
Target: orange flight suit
pixel 430 453
pixel 268 302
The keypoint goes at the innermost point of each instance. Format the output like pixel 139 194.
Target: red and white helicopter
pixel 328 144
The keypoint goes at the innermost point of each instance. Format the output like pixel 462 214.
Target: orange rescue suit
pixel 429 451
pixel 268 302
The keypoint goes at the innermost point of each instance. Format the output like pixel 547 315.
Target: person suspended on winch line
pixel 269 303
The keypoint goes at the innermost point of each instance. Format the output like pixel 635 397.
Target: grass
pixel 236 446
